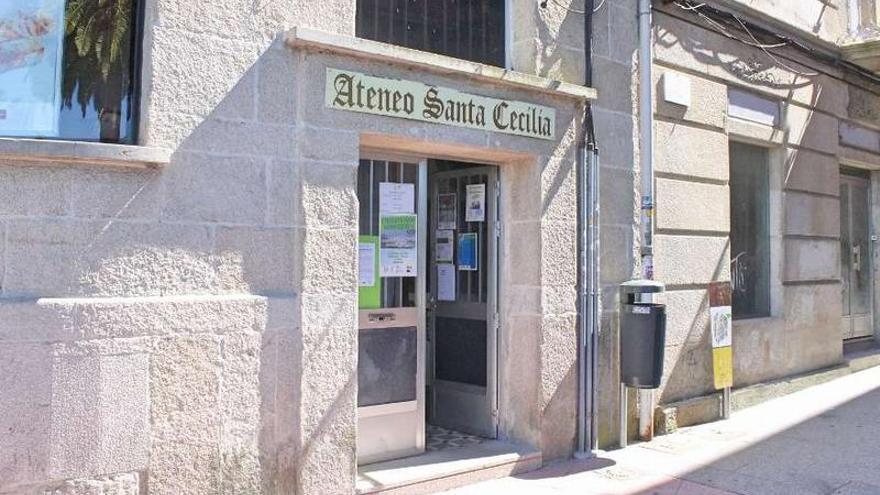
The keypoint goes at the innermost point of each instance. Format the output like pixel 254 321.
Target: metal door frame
pixel 855 175
pixel 385 416
pixel 493 254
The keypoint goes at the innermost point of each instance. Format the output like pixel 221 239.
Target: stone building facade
pixel 813 123
pixel 180 314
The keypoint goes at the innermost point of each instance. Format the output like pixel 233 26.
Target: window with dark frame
pixel 68 69
pixel 467 29
pixel 750 230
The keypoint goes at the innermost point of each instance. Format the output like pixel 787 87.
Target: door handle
pixel 381 317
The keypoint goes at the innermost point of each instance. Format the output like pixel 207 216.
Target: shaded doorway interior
pixel 462 298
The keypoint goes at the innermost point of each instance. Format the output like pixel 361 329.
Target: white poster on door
pixel 476 203
pixel 445 281
pixel 396 198
pixel 444 246
pixel 367 264
pixel 446 211
pixel 398 246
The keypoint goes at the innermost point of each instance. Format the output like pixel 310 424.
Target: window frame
pixel 507 33
pixel 775 159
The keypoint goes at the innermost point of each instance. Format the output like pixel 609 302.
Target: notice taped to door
pixel 398 248
pixel 476 203
pixel 444 245
pixel 446 213
pixel 396 198
pixel 468 252
pixel 445 282
pixel 369 284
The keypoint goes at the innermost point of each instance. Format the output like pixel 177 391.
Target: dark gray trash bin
pixel 642 333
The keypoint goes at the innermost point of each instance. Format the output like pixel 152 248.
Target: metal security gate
pixel 391 329
pixel 855 255
pixel 463 317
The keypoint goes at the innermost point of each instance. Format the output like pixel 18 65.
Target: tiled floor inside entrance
pixel 441 439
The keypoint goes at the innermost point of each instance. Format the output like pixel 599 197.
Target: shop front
pixel 462 256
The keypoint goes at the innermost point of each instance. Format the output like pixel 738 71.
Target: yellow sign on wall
pixel 722 365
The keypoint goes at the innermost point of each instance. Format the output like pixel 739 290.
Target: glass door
pixel 462 306
pixel 855 255
pixel 391 308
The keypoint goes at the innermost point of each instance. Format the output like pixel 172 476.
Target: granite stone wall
pixel 192 328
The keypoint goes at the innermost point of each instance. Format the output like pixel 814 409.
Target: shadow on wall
pixel 214 403
pixel 555 23
pixel 688 360
pixel 220 218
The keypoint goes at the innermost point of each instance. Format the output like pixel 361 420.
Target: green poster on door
pixel 369 283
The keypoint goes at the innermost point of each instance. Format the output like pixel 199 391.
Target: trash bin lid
pixel 642 287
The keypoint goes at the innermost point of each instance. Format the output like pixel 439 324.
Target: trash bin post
pixel 642 341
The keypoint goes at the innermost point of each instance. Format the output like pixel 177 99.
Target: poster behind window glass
pixel 31 37
pixel 398 249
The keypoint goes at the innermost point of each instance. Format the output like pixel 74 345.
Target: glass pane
pixel 868 13
pixel 468 29
pixel 461 350
pixel 396 292
pixel 860 286
pixel 387 365
pixel 749 230
pixel 845 247
pixel 66 71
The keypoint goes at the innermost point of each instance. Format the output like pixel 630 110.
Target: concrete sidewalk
pixel 823 440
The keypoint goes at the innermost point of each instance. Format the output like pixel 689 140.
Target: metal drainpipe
pixel 854 16
pixel 646 124
pixel 587 263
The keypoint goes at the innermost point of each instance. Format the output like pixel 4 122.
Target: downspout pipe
pixel 853 16
pixel 588 265
pixel 646 133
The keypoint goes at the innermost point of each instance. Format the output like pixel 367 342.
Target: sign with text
pixel 356 92
pixel 721 328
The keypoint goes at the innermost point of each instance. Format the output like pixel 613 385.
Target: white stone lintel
pixel 46 151
pixel 300 38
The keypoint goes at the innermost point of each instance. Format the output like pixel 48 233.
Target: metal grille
pixel 397 292
pixel 467 29
pixel 471 286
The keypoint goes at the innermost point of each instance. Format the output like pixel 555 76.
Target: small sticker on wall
pixel 721 320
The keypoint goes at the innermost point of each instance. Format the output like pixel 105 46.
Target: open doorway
pixel 428 294
pixel 462 315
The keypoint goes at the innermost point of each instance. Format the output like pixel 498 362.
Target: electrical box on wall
pixel 676 89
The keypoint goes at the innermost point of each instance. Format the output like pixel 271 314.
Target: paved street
pixel 823 440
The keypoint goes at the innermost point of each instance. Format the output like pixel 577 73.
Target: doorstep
pixel 446 469
pixel 670 417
